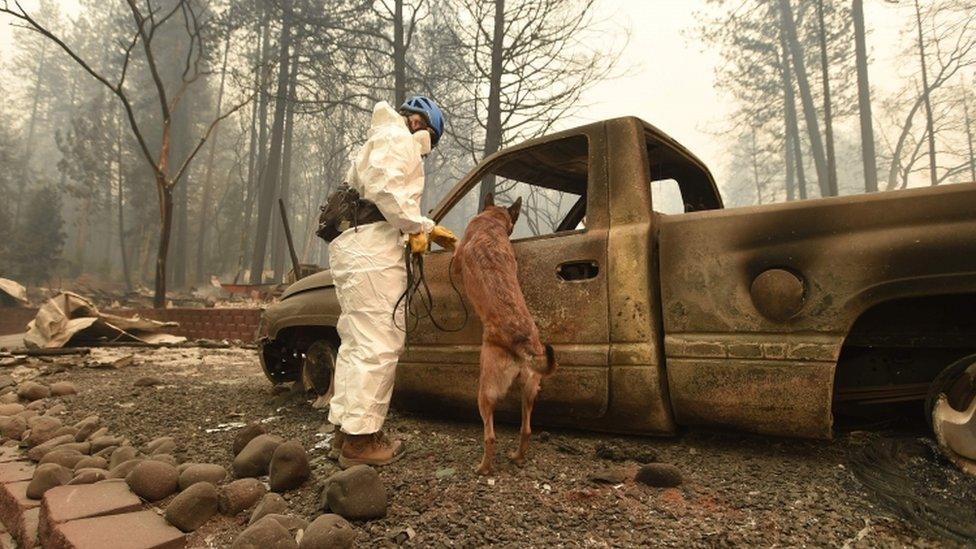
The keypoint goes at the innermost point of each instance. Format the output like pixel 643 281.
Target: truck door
pixel 560 242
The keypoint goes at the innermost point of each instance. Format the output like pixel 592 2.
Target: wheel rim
pixel 954 417
pixel 317 367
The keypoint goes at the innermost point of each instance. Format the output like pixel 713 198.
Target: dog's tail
pixel 549 366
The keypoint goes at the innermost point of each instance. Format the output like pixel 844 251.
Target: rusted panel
pixel 640 402
pixel 568 354
pixel 571 394
pixel 310 308
pixel 640 393
pixel 852 252
pixel 632 354
pixel 778 398
pixel 771 346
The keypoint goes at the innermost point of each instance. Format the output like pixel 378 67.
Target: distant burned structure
pixel 666 309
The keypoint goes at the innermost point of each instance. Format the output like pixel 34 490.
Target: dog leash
pixel 417 285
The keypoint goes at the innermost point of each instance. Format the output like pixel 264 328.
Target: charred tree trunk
pixel 790 170
pixel 118 160
pixel 793 143
pixel 145 254
pixel 81 237
pixel 67 122
pixel 247 194
pixel 107 223
pixel 262 145
pixel 180 149
pixel 31 128
pixel 269 180
pixel 493 133
pixel 399 55
pixel 929 123
pixel 828 108
pixel 205 220
pixel 969 136
pixel 868 154
pixel 755 167
pixel 166 220
pixel 285 193
pixel 806 96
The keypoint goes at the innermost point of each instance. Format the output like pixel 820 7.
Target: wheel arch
pixel 281 357
pixel 896 346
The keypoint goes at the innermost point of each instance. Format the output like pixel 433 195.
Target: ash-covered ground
pixel 737 489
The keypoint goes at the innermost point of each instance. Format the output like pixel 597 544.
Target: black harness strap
pixel 417 285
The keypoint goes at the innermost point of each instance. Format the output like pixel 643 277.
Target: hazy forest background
pixel 137 129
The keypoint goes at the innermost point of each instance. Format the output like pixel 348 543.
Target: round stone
pixel 246 434
pixel 202 472
pixel 67 458
pixel 193 507
pixel 92 462
pixel 270 504
pixel 88 475
pixel 659 475
pixel 31 391
pixel 266 533
pixel 121 455
pixel 254 459
pixel 289 466
pixel 329 531
pixel 240 495
pixel 153 480
pixel 47 476
pixel 123 469
pixel 63 388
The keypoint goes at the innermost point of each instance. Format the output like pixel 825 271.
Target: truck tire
pixel 318 366
pixel 957 381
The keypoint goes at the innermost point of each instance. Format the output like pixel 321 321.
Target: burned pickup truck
pixel 667 310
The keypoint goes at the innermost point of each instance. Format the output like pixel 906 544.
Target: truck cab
pixel 586 256
pixel 665 309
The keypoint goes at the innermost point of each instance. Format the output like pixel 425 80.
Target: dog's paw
pixel 321 402
pixel 484 469
pixel 516 458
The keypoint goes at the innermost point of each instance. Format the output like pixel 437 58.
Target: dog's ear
pixel 514 210
pixel 489 200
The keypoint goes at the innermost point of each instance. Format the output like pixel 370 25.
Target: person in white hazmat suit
pixel 369 269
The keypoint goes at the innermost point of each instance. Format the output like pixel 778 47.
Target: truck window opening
pixel 551 179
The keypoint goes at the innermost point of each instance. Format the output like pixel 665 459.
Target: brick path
pixel 104 515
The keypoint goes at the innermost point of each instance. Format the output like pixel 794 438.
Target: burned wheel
pixel 318 366
pixel 951 409
pixel 957 381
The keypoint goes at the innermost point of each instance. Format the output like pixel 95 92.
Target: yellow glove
pixel 443 237
pixel 418 243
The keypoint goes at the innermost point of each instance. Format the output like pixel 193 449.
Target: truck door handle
pixel 578 270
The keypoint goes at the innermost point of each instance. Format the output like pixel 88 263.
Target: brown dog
pixel 510 346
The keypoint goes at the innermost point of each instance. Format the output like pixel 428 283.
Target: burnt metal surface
pixel 956 429
pixel 852 252
pixel 440 369
pixel 715 317
pixel 777 294
pixel 954 413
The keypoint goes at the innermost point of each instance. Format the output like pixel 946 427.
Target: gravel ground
pixel 738 489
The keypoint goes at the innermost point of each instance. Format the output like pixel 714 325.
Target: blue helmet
pixel 428 108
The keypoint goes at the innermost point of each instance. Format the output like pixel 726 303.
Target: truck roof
pixel 653 135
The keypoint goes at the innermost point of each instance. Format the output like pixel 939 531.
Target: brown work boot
pixel 373 449
pixel 337 439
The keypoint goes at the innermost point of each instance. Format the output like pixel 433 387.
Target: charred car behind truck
pixel 667 310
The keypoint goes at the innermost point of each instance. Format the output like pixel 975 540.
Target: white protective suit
pixel 369 271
